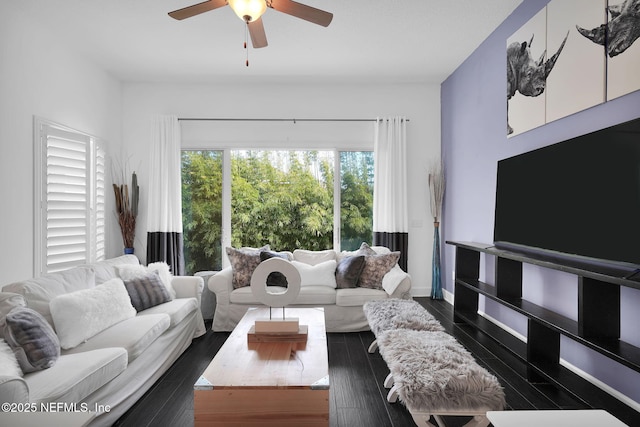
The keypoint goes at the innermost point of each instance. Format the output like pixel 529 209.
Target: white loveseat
pixel 342 306
pixel 111 370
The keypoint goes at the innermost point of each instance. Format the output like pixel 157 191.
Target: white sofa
pixel 111 370
pixel 342 307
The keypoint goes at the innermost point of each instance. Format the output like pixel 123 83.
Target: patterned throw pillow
pixel 365 250
pixel 147 291
pixel 349 270
pixel 32 339
pixel 375 267
pixel 276 278
pixel 243 263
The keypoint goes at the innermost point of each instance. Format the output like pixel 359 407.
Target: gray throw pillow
pixel 349 270
pixel 375 267
pixel 32 339
pixel 147 291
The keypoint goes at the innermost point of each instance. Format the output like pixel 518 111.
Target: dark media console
pixel 597 327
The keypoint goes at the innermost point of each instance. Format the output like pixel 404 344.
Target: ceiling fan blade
pixel 258 36
pixel 303 11
pixel 197 9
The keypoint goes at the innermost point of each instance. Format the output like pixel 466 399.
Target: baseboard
pixel 604 387
pixel 420 291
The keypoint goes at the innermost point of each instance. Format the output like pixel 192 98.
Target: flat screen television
pixel 578 199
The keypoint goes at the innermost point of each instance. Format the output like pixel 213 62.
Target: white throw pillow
pixel 79 315
pixel 313 257
pixel 8 363
pixel 129 272
pixel 321 274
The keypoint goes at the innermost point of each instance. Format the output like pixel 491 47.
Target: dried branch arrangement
pixel 436 190
pixel 127 209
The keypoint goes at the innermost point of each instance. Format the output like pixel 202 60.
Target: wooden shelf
pixel 597 327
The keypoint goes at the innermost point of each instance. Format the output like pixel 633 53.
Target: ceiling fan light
pixel 248 10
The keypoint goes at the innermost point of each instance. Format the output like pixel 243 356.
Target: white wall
pixel 420 103
pixel 41 77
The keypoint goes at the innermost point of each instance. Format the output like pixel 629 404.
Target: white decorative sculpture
pixel 273 299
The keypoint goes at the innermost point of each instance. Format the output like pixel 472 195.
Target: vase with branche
pixel 436 192
pixel 127 198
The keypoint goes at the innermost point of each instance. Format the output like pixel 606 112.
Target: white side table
pixel 208 299
pixel 560 418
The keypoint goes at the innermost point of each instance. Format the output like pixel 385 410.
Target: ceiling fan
pixel 250 11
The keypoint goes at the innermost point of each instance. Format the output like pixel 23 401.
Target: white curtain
pixel 390 223
pixel 164 237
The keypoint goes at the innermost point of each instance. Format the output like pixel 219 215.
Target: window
pixel 288 198
pixel 69 198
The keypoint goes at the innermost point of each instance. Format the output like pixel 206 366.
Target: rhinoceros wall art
pixel 619 37
pixel 596 57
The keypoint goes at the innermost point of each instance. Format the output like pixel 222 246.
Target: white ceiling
pixel 391 40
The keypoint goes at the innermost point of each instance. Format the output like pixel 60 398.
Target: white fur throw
pixel 432 371
pixel 79 315
pixel 395 313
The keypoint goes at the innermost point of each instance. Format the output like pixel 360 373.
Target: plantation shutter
pixel 70 191
pixel 67 206
pixel 99 231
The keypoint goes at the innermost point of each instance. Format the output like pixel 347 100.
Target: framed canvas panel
pixel 623 47
pixel 577 79
pixel 525 90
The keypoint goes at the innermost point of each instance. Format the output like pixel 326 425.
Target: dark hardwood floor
pixel 357 397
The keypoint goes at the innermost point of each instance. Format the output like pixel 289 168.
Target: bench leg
pixel 392 396
pixel 373 347
pixel 388 382
pixel 478 421
pixel 422 420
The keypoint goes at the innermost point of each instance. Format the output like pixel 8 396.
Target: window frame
pixel 94 192
pixel 226 188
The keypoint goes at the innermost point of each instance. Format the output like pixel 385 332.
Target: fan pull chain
pixel 246 37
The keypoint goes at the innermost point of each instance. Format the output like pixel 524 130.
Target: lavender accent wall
pixel 473 140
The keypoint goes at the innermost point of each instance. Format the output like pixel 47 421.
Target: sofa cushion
pixel 134 335
pixel 107 269
pixel 358 296
pixel 375 267
pixel 316 295
pixel 146 291
pixel 82 314
pixel 245 295
pixel 323 273
pixel 76 376
pixel 32 339
pixel 348 271
pixel 313 257
pixel 177 309
pixel 39 292
pixel 9 366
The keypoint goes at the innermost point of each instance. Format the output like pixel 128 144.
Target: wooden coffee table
pixel 267 383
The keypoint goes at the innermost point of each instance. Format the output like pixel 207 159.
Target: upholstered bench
pixel 395 313
pixel 433 374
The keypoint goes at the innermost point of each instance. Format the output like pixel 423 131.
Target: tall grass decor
pixel 436 193
pixel 127 199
